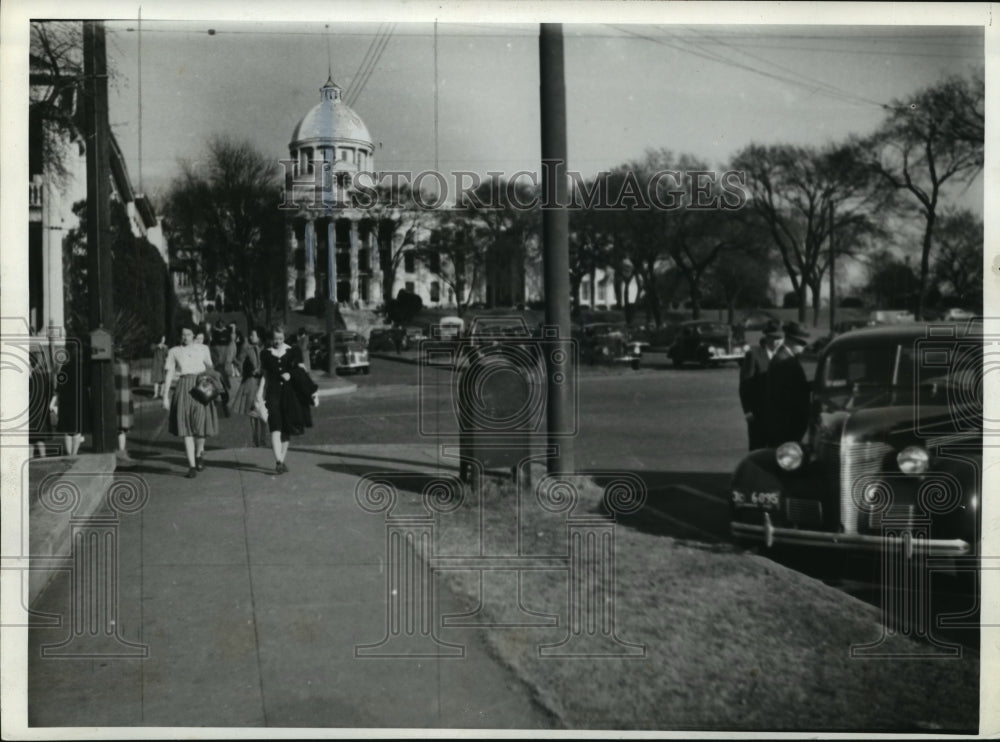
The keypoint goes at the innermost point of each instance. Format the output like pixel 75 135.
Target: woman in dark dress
pixel 73 397
pixel 158 373
pixel 41 399
pixel 245 397
pixel 287 414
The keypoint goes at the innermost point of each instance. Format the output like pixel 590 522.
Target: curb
pixel 50 530
pixel 413 361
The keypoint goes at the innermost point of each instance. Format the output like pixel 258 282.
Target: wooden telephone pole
pixel 99 284
pixel 555 241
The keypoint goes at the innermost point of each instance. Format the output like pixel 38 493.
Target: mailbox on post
pixel 500 399
pixel 100 345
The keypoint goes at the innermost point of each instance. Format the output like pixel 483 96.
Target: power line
pixel 732 63
pixel 371 67
pixel 364 61
pixel 795 73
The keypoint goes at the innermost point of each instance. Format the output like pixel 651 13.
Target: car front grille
pixel 896 516
pixel 804 513
pixel 858 460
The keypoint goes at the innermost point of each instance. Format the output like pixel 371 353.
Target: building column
pixel 354 263
pixel 331 259
pixel 310 259
pixel 375 290
pixel 291 245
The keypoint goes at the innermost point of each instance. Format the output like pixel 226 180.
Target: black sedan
pixel 706 343
pixel 893 454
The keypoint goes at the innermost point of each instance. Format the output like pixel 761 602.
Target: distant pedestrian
pixel 787 395
pixel 284 394
pixel 217 342
pixel 191 419
pixel 73 398
pixel 303 342
pixel 231 349
pixel 753 384
pixel 159 360
pixel 124 408
pixel 41 401
pixel 244 400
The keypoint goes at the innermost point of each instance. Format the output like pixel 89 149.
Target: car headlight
pixel 913 460
pixel 789 456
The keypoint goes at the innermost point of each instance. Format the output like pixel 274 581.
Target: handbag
pixel 204 389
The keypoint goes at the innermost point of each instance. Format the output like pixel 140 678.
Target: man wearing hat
pixel 787 397
pixel 753 384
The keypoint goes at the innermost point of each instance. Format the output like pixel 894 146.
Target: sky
pixel 707 90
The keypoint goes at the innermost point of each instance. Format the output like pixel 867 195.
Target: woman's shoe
pixel 280 467
pixel 192 473
pixel 200 465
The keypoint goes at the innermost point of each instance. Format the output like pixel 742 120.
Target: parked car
pixel 706 343
pixel 893 453
pixel 350 349
pixel 890 317
pixel 957 314
pixel 603 342
pixel 386 339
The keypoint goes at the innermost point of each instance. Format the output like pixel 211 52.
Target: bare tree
pixel 807 197
pixel 958 265
pixel 397 222
pixel 56 77
pixel 225 215
pixel 455 253
pixel 932 137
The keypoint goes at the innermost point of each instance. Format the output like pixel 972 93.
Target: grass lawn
pixel 732 640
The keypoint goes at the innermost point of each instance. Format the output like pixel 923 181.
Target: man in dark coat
pixel 753 384
pixel 787 398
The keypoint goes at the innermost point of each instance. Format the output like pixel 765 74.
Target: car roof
pixel 907 332
pixel 688 323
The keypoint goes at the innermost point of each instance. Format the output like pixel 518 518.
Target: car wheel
pixel 366 370
pixel 635 364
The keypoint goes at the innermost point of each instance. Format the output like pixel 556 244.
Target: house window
pixel 409 261
pixel 602 293
pixel 585 292
pixel 435 291
pixel 410 287
pixel 435 262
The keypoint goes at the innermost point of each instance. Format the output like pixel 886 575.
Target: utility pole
pixel 555 243
pixel 99 284
pixel 331 297
pixel 833 278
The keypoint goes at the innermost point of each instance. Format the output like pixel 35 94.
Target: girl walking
pixel 285 393
pixel 245 397
pixel 159 361
pixel 189 418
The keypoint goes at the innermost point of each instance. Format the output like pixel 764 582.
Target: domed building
pixel 329 146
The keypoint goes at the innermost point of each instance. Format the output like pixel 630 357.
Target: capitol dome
pixel 334 133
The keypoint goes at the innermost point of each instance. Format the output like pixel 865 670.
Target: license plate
pixel 757 500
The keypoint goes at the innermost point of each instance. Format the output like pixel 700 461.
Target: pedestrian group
pixel 774 391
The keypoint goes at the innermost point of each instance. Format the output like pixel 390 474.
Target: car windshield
pixel 947 370
pixel 714 328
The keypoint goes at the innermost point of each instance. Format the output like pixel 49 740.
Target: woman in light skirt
pixel 189 418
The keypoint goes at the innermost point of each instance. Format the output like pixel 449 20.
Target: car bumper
pixel 770 535
pixel 727 357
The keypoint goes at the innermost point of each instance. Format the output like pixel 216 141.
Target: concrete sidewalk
pixel 250 592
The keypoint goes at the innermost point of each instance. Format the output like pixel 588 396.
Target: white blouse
pixel 188 359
